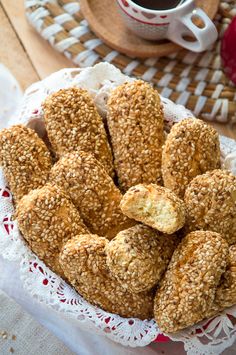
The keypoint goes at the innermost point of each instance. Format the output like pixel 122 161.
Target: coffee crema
pixel 157 4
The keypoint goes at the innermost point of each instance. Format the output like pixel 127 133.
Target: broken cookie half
pixel 155 206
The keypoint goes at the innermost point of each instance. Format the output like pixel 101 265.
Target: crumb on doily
pixel 3 334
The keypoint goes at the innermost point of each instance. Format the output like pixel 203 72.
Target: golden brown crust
pixel 135 122
pixel 73 123
pixel 192 148
pixel 83 260
pixel 155 206
pixel 188 288
pixel 210 201
pixel 226 291
pixel 92 191
pixel 47 219
pixel 137 257
pixel 25 160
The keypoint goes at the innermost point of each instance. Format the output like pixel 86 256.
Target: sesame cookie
pixel 155 206
pixel 189 285
pixel 192 148
pixel 72 123
pixel 226 291
pixel 25 160
pixel 135 122
pixel 47 219
pixel 83 260
pixel 138 257
pixel 210 201
pixel 92 191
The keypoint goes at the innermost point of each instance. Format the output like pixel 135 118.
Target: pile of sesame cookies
pixel 140 222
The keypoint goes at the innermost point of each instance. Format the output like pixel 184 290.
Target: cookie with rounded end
pixel 83 261
pixel 137 257
pixel 25 160
pixel 72 123
pixel 92 191
pixel 226 291
pixel 210 201
pixel 155 206
pixel 47 219
pixel 135 122
pixel 189 285
pixel 192 148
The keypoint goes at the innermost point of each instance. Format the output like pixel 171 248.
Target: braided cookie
pixel 92 191
pixel 72 123
pixel 47 219
pixel 192 148
pixel 189 285
pixel 210 201
pixel 138 257
pixel 83 260
pixel 25 160
pixel 226 292
pixel 135 122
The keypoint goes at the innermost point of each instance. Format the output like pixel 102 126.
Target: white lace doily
pixel 206 338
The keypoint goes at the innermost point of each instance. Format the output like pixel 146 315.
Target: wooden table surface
pixel 30 58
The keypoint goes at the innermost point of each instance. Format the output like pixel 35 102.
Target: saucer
pixel 106 22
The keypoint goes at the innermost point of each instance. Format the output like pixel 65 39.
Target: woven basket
pixel 191 79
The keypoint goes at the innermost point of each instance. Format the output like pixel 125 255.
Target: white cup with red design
pixel 177 20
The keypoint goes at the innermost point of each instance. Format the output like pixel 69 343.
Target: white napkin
pixel 10 95
pixel 73 335
pixel 20 334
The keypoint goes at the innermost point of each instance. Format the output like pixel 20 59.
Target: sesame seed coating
pixel 154 205
pixel 192 148
pixel 210 201
pixel 72 123
pixel 137 257
pixel 92 191
pixel 47 219
pixel 83 260
pixel 25 160
pixel 190 282
pixel 226 291
pixel 135 122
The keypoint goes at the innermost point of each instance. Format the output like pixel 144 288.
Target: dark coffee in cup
pixel 157 4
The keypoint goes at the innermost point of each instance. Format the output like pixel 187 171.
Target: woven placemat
pixel 191 79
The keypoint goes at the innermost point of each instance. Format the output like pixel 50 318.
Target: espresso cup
pixel 179 24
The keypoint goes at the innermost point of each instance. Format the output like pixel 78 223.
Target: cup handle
pixel 184 26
